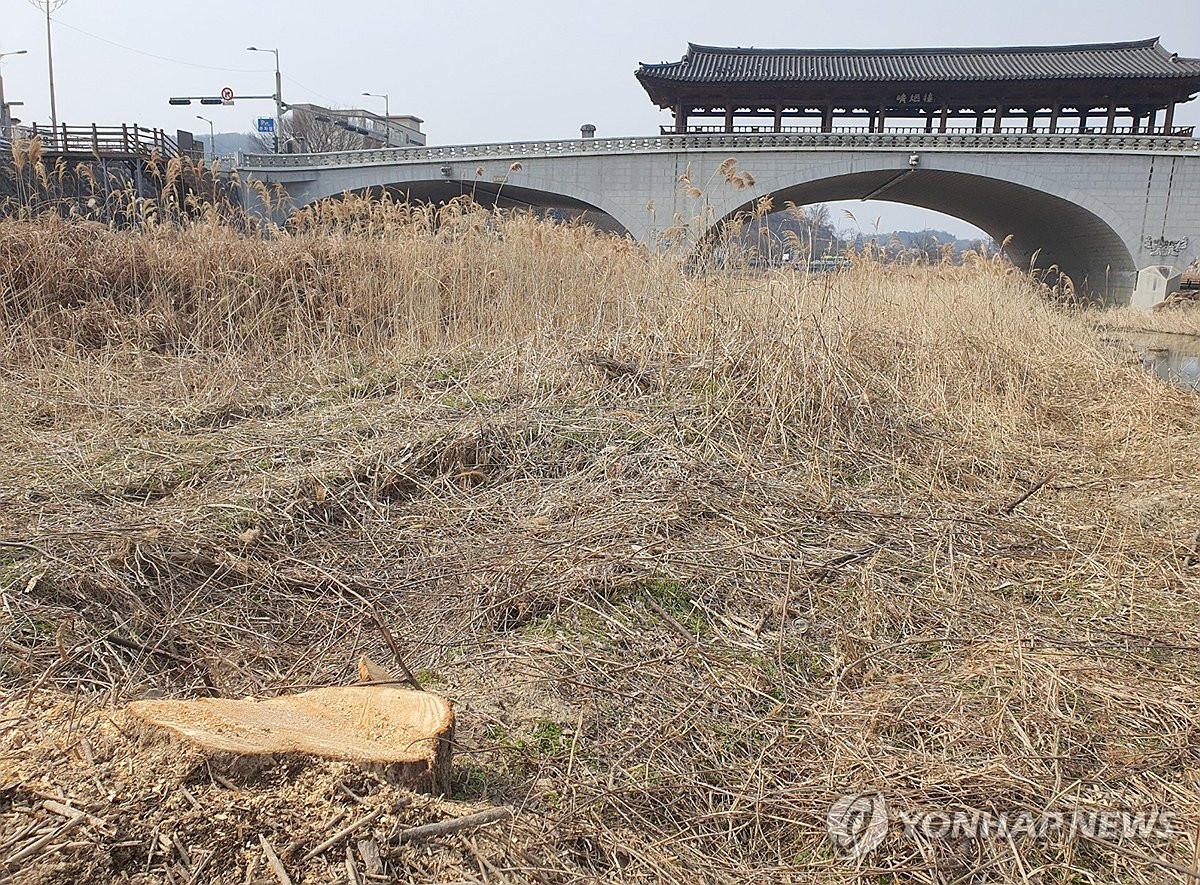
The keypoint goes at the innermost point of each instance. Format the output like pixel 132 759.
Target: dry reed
pixel 694 554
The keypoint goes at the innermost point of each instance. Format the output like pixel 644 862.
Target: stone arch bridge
pixel 1101 207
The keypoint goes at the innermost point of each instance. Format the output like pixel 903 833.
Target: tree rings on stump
pixel 404 735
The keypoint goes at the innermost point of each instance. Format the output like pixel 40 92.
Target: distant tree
pixel 307 134
pixel 926 245
pixel 801 232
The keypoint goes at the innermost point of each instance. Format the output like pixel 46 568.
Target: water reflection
pixel 1175 358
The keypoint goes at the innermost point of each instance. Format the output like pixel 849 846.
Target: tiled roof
pixel 1141 59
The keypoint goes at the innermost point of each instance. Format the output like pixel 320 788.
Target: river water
pixel 1175 358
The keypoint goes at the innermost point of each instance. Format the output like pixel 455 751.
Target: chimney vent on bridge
pixel 587 130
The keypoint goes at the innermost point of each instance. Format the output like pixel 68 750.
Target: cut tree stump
pixel 405 735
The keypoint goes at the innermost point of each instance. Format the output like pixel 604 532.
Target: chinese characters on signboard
pixel 914 97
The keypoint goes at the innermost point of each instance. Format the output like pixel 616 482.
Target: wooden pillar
pixel 945 113
pixel 1169 119
pixel 729 117
pixel 929 121
pixel 999 118
pixel 882 118
pixel 1083 118
pixel 827 118
pixel 778 118
pixel 979 121
pixel 1112 117
pixel 1029 119
pixel 1054 112
pixel 1137 122
pixel 1151 120
pixel 871 121
pixel 681 118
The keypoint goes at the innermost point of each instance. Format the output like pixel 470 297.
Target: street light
pixel 387 112
pixel 5 116
pixel 278 92
pixel 212 137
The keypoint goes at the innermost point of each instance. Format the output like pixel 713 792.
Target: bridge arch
pixel 527 188
pixel 1084 237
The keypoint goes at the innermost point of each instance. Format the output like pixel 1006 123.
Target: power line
pixel 189 64
pixel 296 82
pixel 176 61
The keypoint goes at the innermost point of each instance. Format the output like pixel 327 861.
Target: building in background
pixel 398 130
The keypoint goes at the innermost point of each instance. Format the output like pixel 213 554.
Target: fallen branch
pixel 274 862
pixel 343 833
pixel 37 845
pixel 454 825
pixel 1025 496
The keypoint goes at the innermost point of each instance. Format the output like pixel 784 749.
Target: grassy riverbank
pixel 695 555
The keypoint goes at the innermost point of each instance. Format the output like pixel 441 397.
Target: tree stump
pixel 404 735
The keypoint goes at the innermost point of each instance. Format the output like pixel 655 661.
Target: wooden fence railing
pixel 103 141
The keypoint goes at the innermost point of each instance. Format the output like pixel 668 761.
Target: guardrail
pixel 102 141
pixel 768 129
pixel 761 141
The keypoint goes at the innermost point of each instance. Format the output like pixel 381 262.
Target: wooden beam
pixel 999 120
pixel 729 116
pixel 827 118
pixel 1112 117
pixel 1169 120
pixel 945 112
pixel 778 118
pixel 681 118
pixel 1054 112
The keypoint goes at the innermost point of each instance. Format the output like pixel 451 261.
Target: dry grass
pixel 1183 320
pixel 694 555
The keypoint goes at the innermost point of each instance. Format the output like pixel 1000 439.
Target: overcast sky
pixel 480 71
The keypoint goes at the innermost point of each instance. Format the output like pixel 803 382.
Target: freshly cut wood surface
pixel 407 732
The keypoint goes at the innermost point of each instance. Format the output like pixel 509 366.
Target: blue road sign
pixel 266 124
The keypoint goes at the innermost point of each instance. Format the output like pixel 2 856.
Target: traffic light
pixel 211 101
pixel 179 101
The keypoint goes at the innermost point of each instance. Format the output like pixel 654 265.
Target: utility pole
pixel 50 6
pixel 278 93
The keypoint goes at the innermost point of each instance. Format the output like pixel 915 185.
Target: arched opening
pixel 503 195
pixel 1055 230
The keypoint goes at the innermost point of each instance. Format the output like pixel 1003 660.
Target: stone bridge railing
pixel 762 141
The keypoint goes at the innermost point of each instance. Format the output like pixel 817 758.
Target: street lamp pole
pixel 387 113
pixel 212 137
pixel 278 92
pixel 5 116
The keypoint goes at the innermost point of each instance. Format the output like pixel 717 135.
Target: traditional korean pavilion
pixel 1114 88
